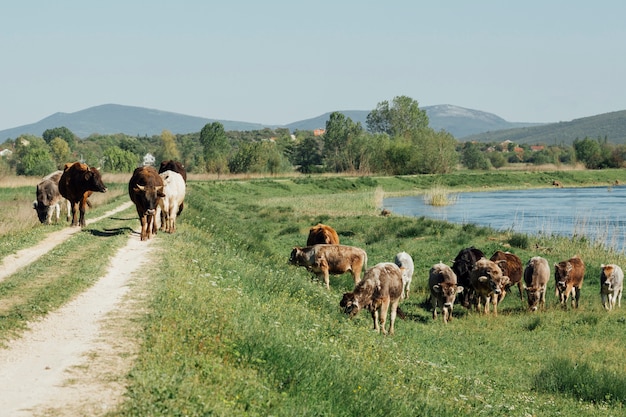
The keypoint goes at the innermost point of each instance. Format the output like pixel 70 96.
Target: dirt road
pixel 73 362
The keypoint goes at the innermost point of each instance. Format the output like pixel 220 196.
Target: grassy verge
pixel 234 330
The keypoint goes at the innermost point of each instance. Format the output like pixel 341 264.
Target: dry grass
pixel 439 196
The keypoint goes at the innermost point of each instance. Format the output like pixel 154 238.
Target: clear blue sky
pixel 277 62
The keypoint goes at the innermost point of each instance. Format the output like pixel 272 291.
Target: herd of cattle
pixel 158 195
pixel 474 280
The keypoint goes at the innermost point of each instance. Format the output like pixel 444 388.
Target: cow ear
pixel 505 280
pixel 437 288
pixel 459 289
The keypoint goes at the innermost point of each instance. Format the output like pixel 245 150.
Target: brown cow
pixel 569 277
pixel 611 284
pixel 145 189
pixel 536 277
pixel 380 288
pixel 171 165
pixel 322 234
pixel 443 289
pixel 511 266
pixel 76 184
pixel 462 267
pixel 488 282
pixel 323 260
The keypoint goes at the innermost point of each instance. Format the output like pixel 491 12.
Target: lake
pixel 598 213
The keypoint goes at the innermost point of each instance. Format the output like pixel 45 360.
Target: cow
pixel 324 260
pixel 380 288
pixel 568 277
pixel 405 262
pixel 443 289
pixel 145 189
pixel 322 234
pixel 536 277
pixel 611 283
pixel 462 267
pixel 488 282
pixel 511 266
pixel 174 191
pixel 48 198
pixel 171 165
pixel 76 184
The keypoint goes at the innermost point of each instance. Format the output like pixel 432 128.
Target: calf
pixel 443 289
pixel 145 189
pixel 611 283
pixel 488 282
pixel 405 262
pixel 174 196
pixel 322 234
pixel 569 277
pixel 380 288
pixel 48 198
pixel 536 277
pixel 511 266
pixel 324 260
pixel 462 267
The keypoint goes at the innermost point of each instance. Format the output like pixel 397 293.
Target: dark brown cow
pixel 145 189
pixel 443 289
pixel 462 267
pixel 48 198
pixel 511 266
pixel 76 184
pixel 380 288
pixel 536 277
pixel 323 260
pixel 171 165
pixel 488 282
pixel 569 277
pixel 322 234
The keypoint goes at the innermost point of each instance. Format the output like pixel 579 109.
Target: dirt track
pixel 73 361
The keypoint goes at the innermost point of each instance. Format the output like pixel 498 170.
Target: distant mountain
pixel 611 126
pixel 114 118
pixel 459 121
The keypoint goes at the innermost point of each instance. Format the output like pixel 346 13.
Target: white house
pixel 148 159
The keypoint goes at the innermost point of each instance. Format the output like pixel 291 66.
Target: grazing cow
pixel 380 288
pixel 557 184
pixel 488 282
pixel 443 289
pixel 330 259
pixel 462 267
pixel 536 277
pixel 611 283
pixel 322 234
pixel 76 184
pixel 405 262
pixel 569 277
pixel 171 165
pixel 145 189
pixel 174 191
pixel 48 198
pixel 511 266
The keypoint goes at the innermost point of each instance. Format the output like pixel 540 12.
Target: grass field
pixel 234 330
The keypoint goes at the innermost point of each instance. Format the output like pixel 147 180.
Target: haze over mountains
pixel 465 124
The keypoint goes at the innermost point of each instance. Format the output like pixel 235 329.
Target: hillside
pixel 138 121
pixel 610 125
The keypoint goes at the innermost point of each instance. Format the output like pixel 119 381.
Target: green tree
pixel 33 156
pixel 307 154
pixel 402 118
pixel 168 149
pixel 60 132
pixel 61 152
pixel 436 152
pixel 588 152
pixel 340 132
pixel 216 147
pixel 474 158
pixel 117 159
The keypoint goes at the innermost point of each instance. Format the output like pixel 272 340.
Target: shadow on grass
pixel 110 232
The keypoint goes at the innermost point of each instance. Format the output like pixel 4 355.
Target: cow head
pixel 606 271
pixel 297 257
pixel 152 195
pixel 534 296
pixel 448 293
pixel 561 272
pixel 349 304
pixel 93 180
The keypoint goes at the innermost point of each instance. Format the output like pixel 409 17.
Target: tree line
pixel 397 140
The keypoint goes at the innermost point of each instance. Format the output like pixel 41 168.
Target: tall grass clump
pixel 439 196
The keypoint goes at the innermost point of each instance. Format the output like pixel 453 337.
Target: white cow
pixel 611 282
pixel 174 190
pixel 405 262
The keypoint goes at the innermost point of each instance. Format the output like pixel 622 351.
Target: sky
pixel 276 62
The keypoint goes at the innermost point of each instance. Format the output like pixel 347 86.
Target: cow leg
pixel 74 209
pixel 495 305
pixel 434 303
pixel 619 298
pixel 519 287
pixel 392 316
pixel 575 297
pixel 375 319
pixel 605 301
pixel 143 220
pixel 82 208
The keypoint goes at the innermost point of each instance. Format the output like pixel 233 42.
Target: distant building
pixel 536 148
pixel 6 152
pixel 319 132
pixel 148 159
